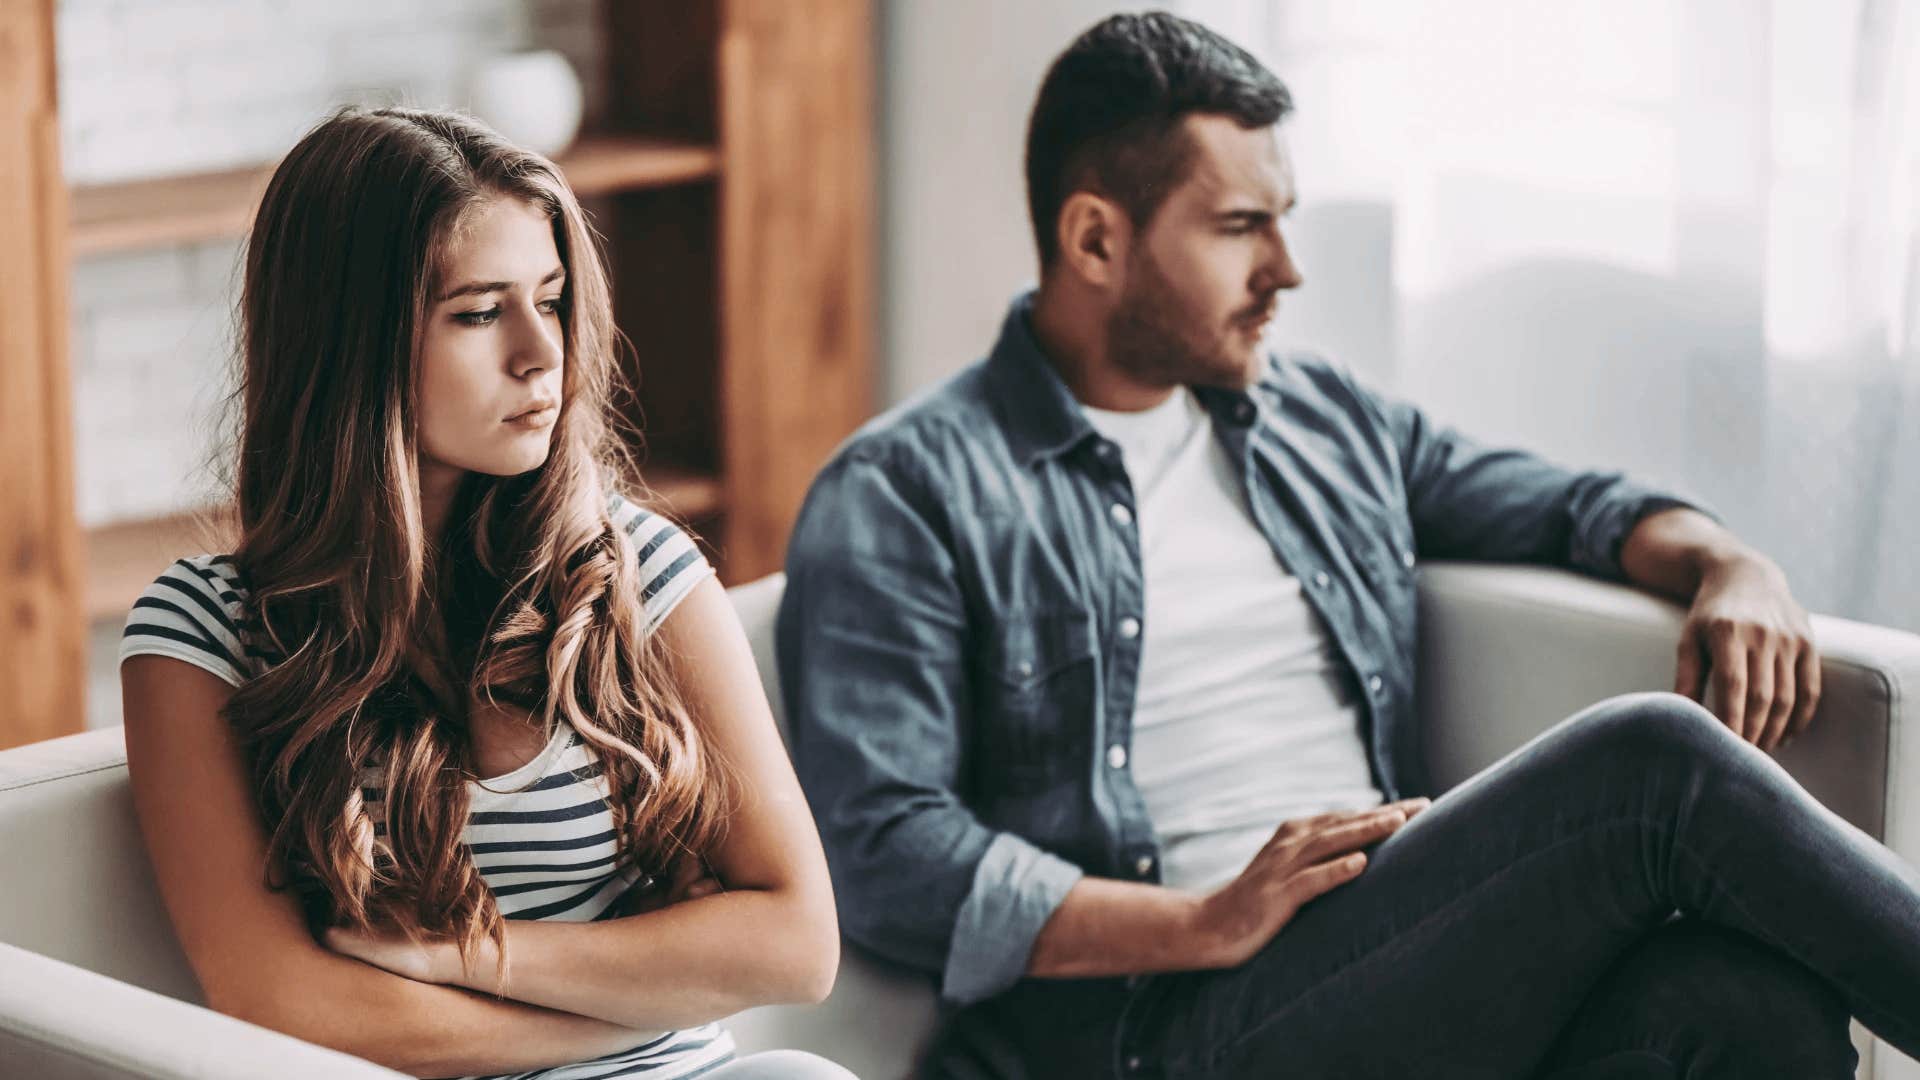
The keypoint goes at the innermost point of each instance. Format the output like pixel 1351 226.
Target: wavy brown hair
pixel 380 637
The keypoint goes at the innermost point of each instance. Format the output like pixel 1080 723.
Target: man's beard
pixel 1150 337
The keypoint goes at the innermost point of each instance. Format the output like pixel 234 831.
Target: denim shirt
pixel 959 642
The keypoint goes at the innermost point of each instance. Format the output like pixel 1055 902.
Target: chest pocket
pixel 1040 687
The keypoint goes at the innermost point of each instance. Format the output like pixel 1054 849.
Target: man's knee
pixel 1653 727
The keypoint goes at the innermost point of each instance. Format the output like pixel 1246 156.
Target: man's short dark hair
pixel 1109 111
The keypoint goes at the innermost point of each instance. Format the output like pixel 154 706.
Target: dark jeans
pixel 1636 893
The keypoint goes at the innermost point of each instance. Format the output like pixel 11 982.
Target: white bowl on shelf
pixel 533 99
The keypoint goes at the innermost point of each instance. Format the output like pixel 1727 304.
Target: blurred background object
pixel 532 98
pixel 41 668
pixel 725 152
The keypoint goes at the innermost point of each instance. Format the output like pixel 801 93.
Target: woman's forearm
pixel 687 964
pixel 428 1030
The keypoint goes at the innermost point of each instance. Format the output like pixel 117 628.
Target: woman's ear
pixel 1094 233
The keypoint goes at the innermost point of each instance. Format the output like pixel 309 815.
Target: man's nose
pixel 1279 270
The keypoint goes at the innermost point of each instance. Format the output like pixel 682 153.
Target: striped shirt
pixel 542 835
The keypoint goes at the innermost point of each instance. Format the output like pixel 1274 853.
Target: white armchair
pixel 93 985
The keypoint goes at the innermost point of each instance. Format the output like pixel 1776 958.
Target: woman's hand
pixel 428 961
pixel 691 883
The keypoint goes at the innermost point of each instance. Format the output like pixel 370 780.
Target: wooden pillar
pixel 42 624
pixel 796 131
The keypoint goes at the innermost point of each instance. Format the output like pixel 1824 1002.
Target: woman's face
pixel 492 350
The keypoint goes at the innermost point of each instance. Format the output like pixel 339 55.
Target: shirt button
pixel 1026 669
pixel 1143 865
pixel 1243 412
pixel 1133 982
pixel 1133 1063
pixel 1129 628
pixel 1106 451
pixel 1117 756
pixel 1321 580
pixel 1406 559
pixel 1374 684
pixel 1121 515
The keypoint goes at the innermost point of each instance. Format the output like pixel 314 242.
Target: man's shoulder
pixel 926 431
pixel 1297 370
pixel 1304 383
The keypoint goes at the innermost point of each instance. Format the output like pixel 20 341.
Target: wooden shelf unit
pixel 733 182
pixel 207 206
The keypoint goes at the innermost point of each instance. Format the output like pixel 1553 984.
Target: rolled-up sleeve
pixel 872 644
pixel 1468 501
pixel 1016 889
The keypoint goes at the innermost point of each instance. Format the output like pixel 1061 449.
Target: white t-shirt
pixel 1246 715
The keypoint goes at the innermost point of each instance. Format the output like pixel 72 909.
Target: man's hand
pixel 1304 859
pixel 1744 631
pixel 1747 634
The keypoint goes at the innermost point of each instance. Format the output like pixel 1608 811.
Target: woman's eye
pixel 478 318
pixel 550 307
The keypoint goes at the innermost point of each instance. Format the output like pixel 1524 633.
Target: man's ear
pixel 1094 233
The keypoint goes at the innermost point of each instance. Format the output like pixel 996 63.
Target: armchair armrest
pixel 1508 651
pixel 61 1022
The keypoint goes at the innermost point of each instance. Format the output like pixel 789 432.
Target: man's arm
pixel 873 642
pixel 1744 629
pixel 1107 927
pixel 1468 501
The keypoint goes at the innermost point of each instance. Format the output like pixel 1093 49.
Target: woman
pixel 459 762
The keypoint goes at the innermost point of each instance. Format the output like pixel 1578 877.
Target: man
pixel 1100 658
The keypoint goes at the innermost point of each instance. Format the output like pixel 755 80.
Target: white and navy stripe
pixel 541 836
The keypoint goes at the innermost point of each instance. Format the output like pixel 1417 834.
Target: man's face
pixel 1203 278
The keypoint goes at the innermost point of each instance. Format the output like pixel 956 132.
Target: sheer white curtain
pixel 1675 236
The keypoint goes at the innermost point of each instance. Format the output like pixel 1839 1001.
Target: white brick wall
pixel 162 87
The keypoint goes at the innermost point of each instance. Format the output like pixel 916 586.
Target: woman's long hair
pixel 380 635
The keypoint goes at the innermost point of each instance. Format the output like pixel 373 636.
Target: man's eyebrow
pixel 1256 215
pixel 1246 215
pixel 476 288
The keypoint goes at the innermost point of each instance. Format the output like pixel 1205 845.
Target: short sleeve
pixel 191 612
pixel 669 561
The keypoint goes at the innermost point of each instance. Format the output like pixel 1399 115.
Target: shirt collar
pixel 1043 420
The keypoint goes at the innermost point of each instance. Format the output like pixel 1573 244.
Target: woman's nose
pixel 539 346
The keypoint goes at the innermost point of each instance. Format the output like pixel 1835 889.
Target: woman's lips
pixel 537 417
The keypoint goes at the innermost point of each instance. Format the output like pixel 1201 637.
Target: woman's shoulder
pixel 669 562
pixel 193 611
